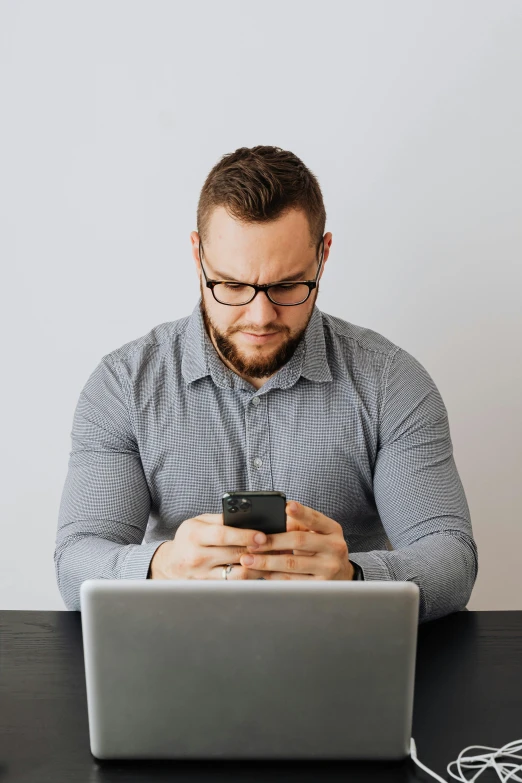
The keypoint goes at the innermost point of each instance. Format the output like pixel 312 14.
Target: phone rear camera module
pixel 244 504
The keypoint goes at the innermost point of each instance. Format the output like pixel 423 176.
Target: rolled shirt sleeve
pixel 105 501
pixel 419 495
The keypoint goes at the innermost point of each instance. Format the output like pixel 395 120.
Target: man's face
pixel 257 339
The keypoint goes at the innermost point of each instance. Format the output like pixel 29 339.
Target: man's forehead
pixel 248 252
pixel 241 270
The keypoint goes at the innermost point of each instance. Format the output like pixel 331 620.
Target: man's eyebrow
pixel 298 276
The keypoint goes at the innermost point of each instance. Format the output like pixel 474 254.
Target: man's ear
pixel 194 239
pixel 327 243
pixel 327 246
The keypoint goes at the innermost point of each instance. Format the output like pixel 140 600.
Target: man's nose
pixel 261 311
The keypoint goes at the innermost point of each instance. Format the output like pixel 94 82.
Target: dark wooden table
pixel 468 691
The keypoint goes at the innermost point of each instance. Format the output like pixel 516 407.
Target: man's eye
pixel 234 286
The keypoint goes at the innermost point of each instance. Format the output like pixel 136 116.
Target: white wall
pixel 111 115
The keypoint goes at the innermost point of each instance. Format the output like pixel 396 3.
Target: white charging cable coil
pixel 481 762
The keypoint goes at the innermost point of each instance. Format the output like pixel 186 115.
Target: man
pixel 259 390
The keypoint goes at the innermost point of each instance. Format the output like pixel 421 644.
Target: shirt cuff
pixel 358 575
pixel 137 562
pixel 371 565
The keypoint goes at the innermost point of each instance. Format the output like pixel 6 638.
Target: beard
pixel 262 367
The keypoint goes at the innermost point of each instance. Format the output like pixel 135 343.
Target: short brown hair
pixel 259 184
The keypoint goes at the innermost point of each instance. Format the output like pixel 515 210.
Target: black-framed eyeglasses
pixel 287 293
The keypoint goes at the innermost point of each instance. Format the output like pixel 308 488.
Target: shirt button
pixel 258 462
pixel 255 401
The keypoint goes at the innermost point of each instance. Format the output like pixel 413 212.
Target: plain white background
pixel 111 115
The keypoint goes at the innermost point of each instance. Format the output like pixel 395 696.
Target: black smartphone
pixel 265 511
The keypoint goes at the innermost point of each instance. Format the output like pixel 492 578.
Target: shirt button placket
pixel 258 445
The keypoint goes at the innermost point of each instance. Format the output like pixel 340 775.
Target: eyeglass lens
pixel 237 293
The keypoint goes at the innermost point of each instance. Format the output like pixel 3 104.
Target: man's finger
pixel 296 540
pixel 210 519
pixel 214 533
pixel 294 524
pixel 311 519
pixel 285 563
pixel 284 575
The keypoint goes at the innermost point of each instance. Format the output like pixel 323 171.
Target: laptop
pixel 248 669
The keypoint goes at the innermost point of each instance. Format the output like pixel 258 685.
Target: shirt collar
pixel 200 358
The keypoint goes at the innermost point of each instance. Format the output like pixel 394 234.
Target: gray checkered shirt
pixel 352 426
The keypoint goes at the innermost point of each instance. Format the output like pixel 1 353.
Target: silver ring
pixel 226 570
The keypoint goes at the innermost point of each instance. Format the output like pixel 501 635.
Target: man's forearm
pixel 91 557
pixel 443 565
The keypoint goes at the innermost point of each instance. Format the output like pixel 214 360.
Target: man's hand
pixel 201 547
pixel 313 548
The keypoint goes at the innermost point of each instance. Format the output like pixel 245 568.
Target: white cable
pixel 481 762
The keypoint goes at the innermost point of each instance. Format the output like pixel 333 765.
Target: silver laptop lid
pixel 249 669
